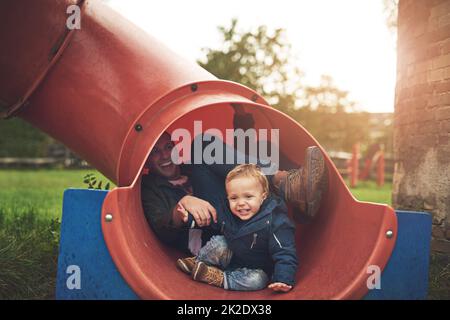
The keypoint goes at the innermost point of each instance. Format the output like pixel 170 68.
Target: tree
pixel 328 114
pixel 327 97
pixel 391 13
pixel 262 60
pixel 20 139
pixel 259 59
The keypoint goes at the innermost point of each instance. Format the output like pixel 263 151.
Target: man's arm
pixel 192 208
pixel 158 210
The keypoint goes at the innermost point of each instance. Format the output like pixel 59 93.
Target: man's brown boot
pixel 208 274
pixel 304 187
pixel 186 265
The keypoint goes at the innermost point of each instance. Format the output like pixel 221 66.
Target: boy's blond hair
pixel 249 170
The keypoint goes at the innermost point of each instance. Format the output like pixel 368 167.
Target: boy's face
pixel 245 196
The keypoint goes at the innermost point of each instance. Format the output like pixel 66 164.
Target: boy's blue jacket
pixel 266 241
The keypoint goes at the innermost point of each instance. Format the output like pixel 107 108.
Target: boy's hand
pixel 279 287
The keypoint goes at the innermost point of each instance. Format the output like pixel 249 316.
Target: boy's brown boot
pixel 208 274
pixel 186 264
pixel 304 187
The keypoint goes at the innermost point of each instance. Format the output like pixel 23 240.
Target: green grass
pixel 30 213
pixel 39 191
pixel 369 191
pixel 28 256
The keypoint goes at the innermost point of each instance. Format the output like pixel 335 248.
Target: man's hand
pixel 279 287
pixel 201 210
pixel 183 213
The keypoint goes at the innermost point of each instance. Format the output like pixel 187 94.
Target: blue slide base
pixel 405 277
pixel 86 270
pixel 82 246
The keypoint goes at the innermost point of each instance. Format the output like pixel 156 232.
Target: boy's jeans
pixel 217 253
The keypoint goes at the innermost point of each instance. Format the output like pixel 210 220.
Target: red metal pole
pixel 380 169
pixel 355 169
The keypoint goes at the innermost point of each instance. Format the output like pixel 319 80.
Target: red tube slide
pixel 108 90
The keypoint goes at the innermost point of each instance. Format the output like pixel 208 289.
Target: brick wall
pixel 422 114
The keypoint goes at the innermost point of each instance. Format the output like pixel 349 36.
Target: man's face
pixel 159 160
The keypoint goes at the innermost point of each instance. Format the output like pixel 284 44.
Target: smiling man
pixel 160 158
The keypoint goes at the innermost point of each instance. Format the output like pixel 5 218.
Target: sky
pixel 346 39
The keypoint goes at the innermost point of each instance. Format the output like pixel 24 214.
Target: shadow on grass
pixel 439 277
pixel 28 255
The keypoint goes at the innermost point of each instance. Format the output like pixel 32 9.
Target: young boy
pixel 257 241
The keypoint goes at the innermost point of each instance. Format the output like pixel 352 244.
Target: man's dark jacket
pixel 159 198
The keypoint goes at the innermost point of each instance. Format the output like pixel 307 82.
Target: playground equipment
pixel 374 158
pixel 107 91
